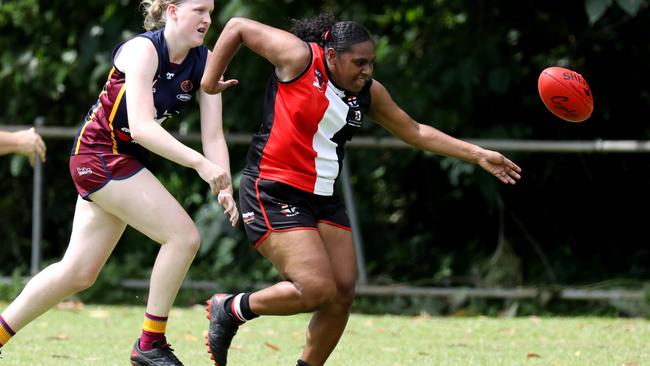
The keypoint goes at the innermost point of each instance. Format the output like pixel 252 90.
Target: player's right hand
pixel 214 175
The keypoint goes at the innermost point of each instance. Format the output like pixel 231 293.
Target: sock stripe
pixel 156 318
pixel 154 324
pixel 5 332
pixel 6 326
pixel 236 308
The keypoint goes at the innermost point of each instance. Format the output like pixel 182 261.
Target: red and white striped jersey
pixel 307 122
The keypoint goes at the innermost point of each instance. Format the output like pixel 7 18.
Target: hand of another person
pixel 500 166
pixel 226 200
pixel 220 86
pixel 214 175
pixel 30 144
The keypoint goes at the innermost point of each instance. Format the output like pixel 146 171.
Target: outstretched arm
pixel 25 142
pixel 288 53
pixel 388 114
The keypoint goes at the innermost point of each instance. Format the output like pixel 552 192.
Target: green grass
pixel 103 335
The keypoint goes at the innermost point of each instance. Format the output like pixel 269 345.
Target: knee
pixel 193 240
pixel 318 293
pixel 79 279
pixel 345 294
pixel 188 240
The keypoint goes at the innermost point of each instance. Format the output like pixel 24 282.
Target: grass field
pixel 103 335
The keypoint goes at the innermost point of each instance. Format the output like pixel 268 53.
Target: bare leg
pixel 319 268
pixel 142 202
pixel 328 323
pixel 95 233
pixel 148 207
pixel 300 257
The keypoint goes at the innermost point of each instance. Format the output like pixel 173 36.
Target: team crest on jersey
pixel 318 80
pixel 352 101
pixel 187 85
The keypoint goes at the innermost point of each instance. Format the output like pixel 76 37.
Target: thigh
pixel 143 203
pixel 340 250
pixel 95 233
pixel 299 256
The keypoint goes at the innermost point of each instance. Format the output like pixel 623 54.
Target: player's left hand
pixel 226 200
pixel 500 166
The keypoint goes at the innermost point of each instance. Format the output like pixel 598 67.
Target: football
pixel 565 93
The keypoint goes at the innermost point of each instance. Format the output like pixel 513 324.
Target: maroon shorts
pixel 269 206
pixel 90 172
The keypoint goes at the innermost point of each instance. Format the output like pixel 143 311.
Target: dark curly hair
pixel 327 32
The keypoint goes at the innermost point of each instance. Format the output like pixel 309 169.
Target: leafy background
pixel 468 68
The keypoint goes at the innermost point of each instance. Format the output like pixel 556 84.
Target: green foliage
pixel 597 8
pixel 10 289
pixel 468 68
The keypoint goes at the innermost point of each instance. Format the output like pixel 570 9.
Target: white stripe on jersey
pixel 326 161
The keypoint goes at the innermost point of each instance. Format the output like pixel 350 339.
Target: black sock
pixel 302 363
pixel 246 311
pixel 244 307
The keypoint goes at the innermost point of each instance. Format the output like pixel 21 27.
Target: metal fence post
pixel 362 277
pixel 37 204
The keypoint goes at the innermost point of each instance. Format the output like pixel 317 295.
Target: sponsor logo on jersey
pixel 288 210
pixel 187 85
pixel 354 118
pixel 184 97
pixel 84 170
pixel 170 75
pixel 248 217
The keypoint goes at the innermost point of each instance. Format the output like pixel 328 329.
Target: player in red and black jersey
pixel 155 75
pixel 320 91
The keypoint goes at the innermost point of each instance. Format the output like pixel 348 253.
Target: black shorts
pixel 269 206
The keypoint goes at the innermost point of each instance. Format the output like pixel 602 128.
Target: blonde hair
pixel 154 12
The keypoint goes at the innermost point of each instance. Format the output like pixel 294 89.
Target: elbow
pixel 136 134
pixel 209 86
pixel 234 24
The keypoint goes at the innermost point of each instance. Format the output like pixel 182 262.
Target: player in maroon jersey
pixel 321 88
pixel 155 75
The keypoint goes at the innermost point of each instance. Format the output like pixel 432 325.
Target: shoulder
pixel 135 51
pixel 138 46
pixel 377 91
